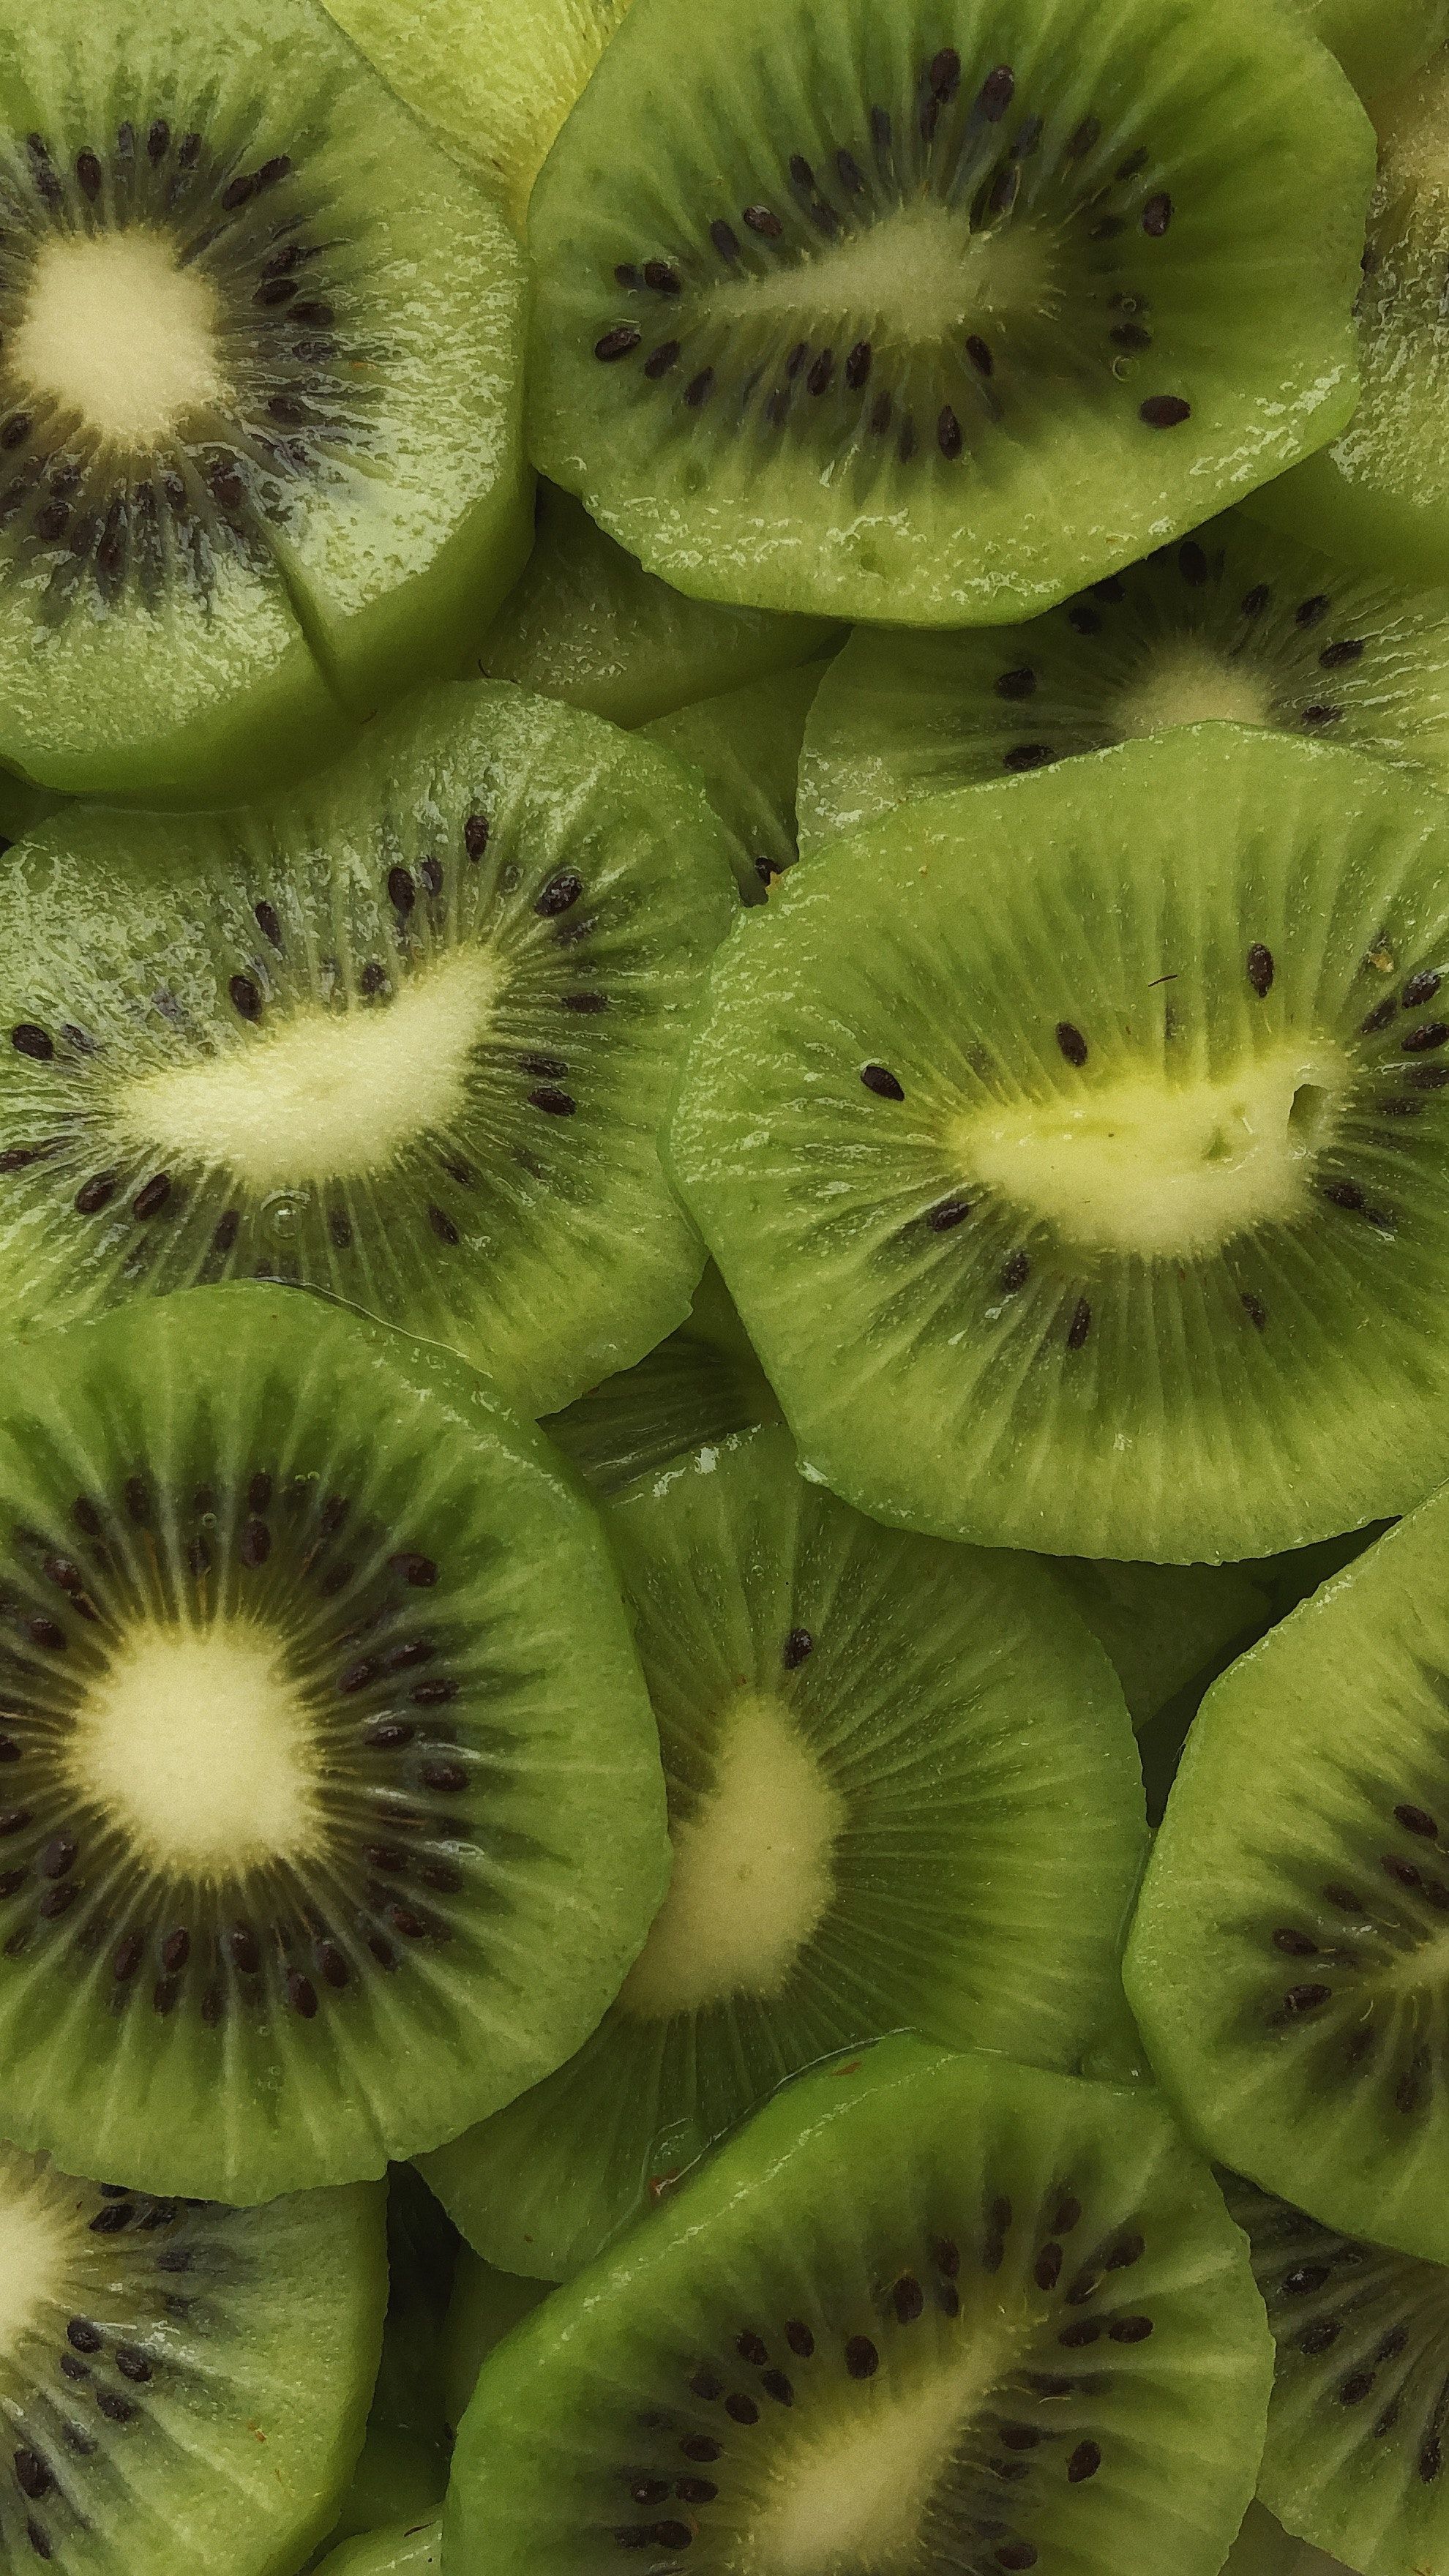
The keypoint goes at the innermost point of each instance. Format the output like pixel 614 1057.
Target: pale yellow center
pixel 114 330
pixel 1175 1164
pixel 196 1745
pixel 920 274
pixel 320 1094
pixel 1187 683
pixel 33 2213
pixel 752 1871
pixel 851 2502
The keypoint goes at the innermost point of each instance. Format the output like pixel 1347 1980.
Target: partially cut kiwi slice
pixel 696 1389
pixel 925 2312
pixel 587 624
pixel 1288 1960
pixel 333 1806
pixel 746 747
pixel 1075 1155
pixel 493 78
pixel 1232 622
pixel 930 315
pixel 903 1793
pixel 260 397
pixel 405 1037
pixel 1357 2455
pixel 184 2385
pixel 1380 493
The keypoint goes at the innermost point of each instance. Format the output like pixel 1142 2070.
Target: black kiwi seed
pixel 1164 411
pixel 1072 1043
pixel 1260 969
pixel 798 1645
pixel 879 1079
pixel 861 2357
pixel 1016 684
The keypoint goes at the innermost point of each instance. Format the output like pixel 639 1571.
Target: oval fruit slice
pixel 333 1813
pixel 1076 1153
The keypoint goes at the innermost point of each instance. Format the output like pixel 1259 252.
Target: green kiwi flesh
pixel 184 2385
pixel 1378 42
pixel 406 1037
pixel 22 807
pixel 587 624
pixel 1164 1625
pixel 924 2311
pixel 932 319
pixel 1379 494
pixel 494 79
pixel 1264 2548
pixel 1355 2456
pixel 334 1814
pixel 1234 622
pixel 697 1388
pixel 486 2305
pixel 403 2549
pixel 903 1793
pixel 402 2469
pixel 746 747
pixel 261 452
pixel 1209 959
pixel 1286 1964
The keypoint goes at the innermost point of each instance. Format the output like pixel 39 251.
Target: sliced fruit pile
pixel 724 1229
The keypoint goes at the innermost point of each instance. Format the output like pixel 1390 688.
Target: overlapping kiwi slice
pixel 587 624
pixel 696 1389
pixel 1380 492
pixel 1076 1156
pixel 903 1793
pixel 333 1813
pixel 1357 2455
pixel 746 747
pixel 405 1037
pixel 1378 42
pixel 493 78
pixel 1288 1960
pixel 486 2305
pixel 1163 1625
pixel 402 2469
pixel 1231 622
pixel 931 315
pixel 183 2385
pixel 925 2311
pixel 260 397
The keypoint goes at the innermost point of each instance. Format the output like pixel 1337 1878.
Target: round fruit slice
pixel 930 316
pixel 260 397
pixel 925 2311
pixel 1232 622
pixel 903 1794
pixel 1380 493
pixel 333 1806
pixel 746 747
pixel 1076 1155
pixel 1358 2427
pixel 586 624
pixel 406 1037
pixel 1288 1963
pixel 184 2385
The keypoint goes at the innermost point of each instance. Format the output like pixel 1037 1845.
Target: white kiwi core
pixel 196 1745
pixel 320 1095
pixel 1166 1164
pixel 851 2502
pixel 752 1871
pixel 1187 683
pixel 115 330
pixel 921 275
pixel 34 2211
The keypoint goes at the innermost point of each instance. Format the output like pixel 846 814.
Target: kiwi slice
pixel 402 2471
pixel 494 79
pixel 402 1867
pixel 260 397
pixel 746 747
pixel 1055 1165
pixel 586 624
pixel 1380 493
pixel 1378 42
pixel 698 1387
pixel 1286 1964
pixel 405 1036
pixel 1264 2548
pixel 931 316
pixel 1357 2455
pixel 926 2311
pixel 184 2385
pixel 903 1793
pixel 22 807
pixel 1162 1625
pixel 403 2549
pixel 1232 622
pixel 486 2305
